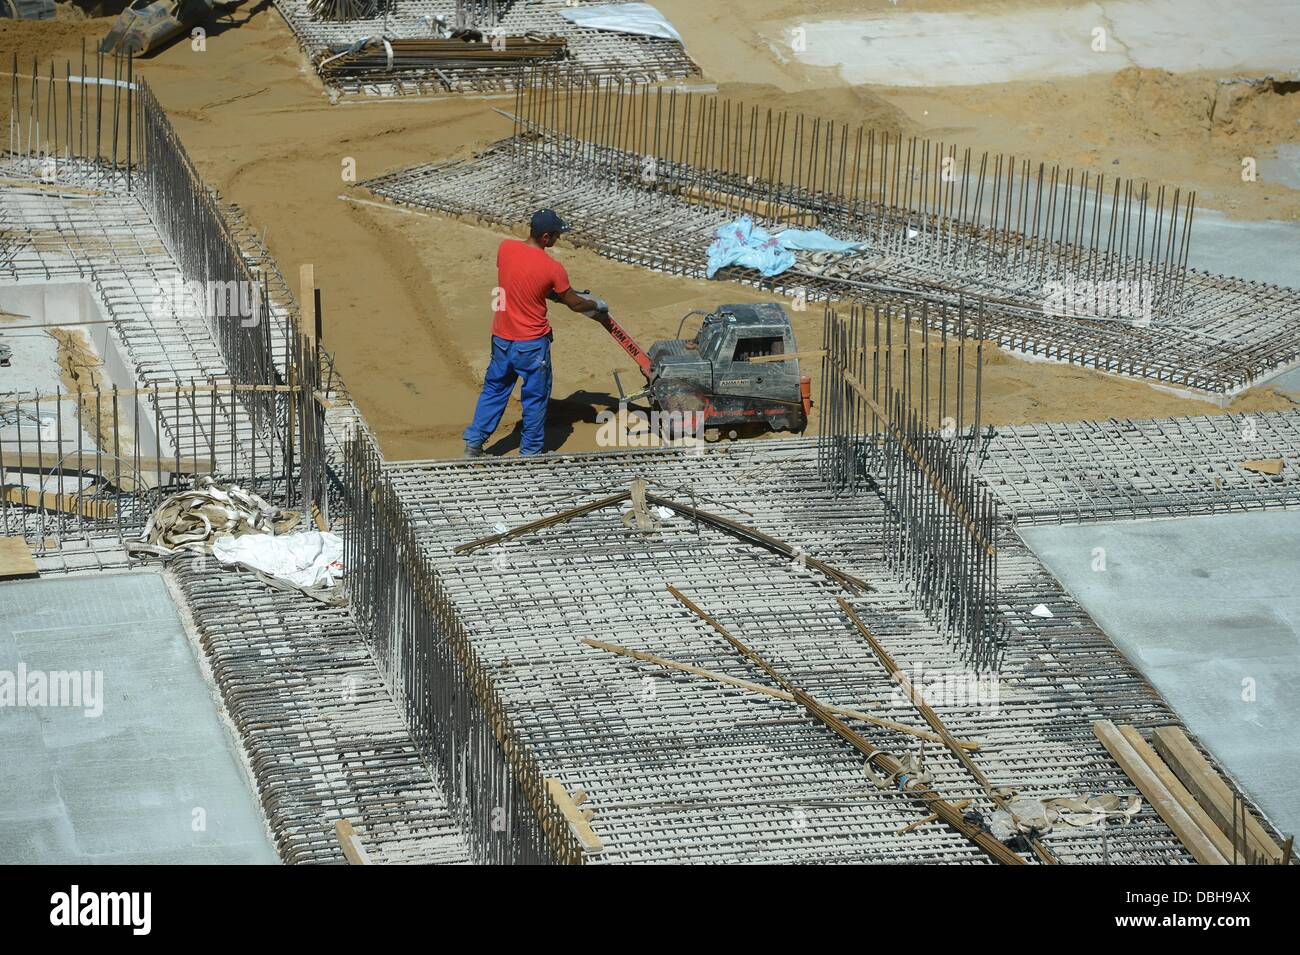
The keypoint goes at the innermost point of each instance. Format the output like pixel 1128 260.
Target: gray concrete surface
pixel 1288 383
pixel 1283 166
pixel 154 777
pixel 1262 251
pixel 1208 608
pixel 892 46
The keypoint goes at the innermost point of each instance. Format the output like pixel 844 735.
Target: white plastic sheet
pixel 638 18
pixel 306 559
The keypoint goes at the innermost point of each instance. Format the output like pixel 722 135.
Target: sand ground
pixel 405 296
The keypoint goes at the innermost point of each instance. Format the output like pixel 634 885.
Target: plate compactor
pixel 730 373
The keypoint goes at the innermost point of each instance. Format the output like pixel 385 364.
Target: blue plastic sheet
pixel 814 240
pixel 753 247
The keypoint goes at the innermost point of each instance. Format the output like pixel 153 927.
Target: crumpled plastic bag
pixel 745 244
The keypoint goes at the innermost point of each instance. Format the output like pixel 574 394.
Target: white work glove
pixel 599 306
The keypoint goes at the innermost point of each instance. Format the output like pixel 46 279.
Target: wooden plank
pixel 307 300
pixel 576 817
pixel 1149 784
pixel 68 503
pixel 353 850
pixel 16 561
pixel 49 461
pixel 1264 466
pixel 1210 789
pixel 1216 835
pixel 789 356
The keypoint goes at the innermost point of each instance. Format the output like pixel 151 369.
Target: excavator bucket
pixel 147 24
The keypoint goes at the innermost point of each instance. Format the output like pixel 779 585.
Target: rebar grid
pixel 647 177
pixel 1125 468
pixel 988 214
pixel 185 405
pixel 679 769
pixel 323 738
pixel 591 52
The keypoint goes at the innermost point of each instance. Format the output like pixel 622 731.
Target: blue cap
pixel 546 220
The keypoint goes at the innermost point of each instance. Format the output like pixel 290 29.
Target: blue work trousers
pixel 511 361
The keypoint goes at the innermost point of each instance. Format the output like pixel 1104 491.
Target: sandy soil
pixel 405 296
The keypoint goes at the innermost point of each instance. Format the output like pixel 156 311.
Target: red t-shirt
pixel 525 275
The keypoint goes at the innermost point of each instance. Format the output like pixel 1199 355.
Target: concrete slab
pixel 1208 609
pixel 1255 250
pixel 114 750
pixel 897 47
pixel 1288 383
pixel 1284 167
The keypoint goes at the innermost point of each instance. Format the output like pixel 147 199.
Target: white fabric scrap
pixel 639 18
pixel 306 559
pixel 1041 611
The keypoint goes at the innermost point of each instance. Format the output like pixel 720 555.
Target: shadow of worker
pixel 562 414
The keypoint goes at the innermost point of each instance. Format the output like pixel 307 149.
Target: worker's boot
pixel 474 450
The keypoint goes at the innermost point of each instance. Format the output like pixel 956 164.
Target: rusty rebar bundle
pixel 341 10
pixel 394 57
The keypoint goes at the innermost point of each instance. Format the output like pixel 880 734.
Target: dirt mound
pixel 43 39
pixel 1266 108
pixel 1161 106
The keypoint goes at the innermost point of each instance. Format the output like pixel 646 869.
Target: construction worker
pixel 521 335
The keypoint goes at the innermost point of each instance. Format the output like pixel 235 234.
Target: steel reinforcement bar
pixel 252 408
pixel 97 461
pixel 74 126
pixel 323 739
pixel 586 51
pixel 885 427
pixel 681 767
pixel 444 690
pixel 1019 221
